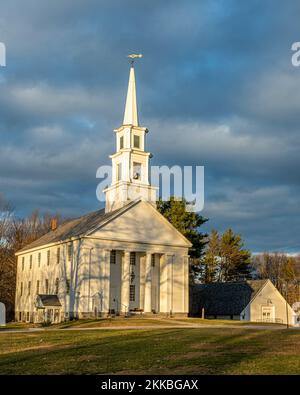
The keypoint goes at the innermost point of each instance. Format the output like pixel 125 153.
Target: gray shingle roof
pixel 77 227
pixel 49 300
pixel 223 298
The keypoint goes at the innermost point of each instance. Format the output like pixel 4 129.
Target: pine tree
pixel 225 258
pixel 188 223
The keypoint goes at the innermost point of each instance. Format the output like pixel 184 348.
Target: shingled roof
pixel 224 298
pixel 49 300
pixel 77 227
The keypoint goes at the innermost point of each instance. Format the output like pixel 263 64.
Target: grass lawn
pixel 156 351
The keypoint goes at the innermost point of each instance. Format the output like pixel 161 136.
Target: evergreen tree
pixel 225 258
pixel 210 259
pixel 188 223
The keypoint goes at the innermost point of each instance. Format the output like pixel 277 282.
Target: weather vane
pixel 134 56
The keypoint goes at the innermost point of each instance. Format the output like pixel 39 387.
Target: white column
pixel 148 285
pixel 125 282
pixel 186 283
pixel 106 281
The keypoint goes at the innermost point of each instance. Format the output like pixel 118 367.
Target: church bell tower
pixel 130 162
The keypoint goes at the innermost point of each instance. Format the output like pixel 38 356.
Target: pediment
pixel 144 224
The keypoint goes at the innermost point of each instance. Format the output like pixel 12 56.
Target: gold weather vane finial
pixel 134 56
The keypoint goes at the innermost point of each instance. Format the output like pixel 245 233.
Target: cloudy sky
pixel 216 87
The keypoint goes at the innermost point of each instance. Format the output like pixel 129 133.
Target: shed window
pixel 48 257
pixel 30 262
pixel 23 263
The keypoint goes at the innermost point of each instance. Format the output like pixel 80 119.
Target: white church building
pixel 124 259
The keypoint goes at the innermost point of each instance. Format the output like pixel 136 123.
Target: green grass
pixel 156 351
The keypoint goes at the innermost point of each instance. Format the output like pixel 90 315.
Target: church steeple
pixel 130 162
pixel 131 110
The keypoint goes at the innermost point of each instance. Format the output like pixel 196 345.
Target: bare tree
pixel 15 233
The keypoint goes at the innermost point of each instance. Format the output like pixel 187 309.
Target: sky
pixel 216 88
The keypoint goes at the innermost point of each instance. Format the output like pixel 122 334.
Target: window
pixel 30 262
pixel 46 286
pixel 48 257
pixel 39 259
pixel 153 260
pixel 58 255
pixel 38 287
pixel 121 142
pixel 137 171
pixel 132 293
pixel 21 289
pixel 132 258
pixel 56 285
pixel 136 141
pixel 67 286
pixel 27 316
pixel 20 316
pixel 23 263
pixel 113 257
pixel 29 287
pixel 70 252
pixel 119 171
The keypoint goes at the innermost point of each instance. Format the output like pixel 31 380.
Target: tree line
pixel 16 233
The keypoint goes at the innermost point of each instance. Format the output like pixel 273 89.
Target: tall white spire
pixel 131 111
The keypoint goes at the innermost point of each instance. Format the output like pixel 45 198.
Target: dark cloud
pixel 216 88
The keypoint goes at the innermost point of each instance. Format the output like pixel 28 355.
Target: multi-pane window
pixel 23 262
pixel 46 286
pixel 113 257
pixel 48 257
pixel 132 258
pixel 132 293
pixel 121 142
pixel 21 289
pixel 39 259
pixel 136 141
pixel 153 260
pixel 58 255
pixel 56 285
pixel 70 252
pixel 30 262
pixel 29 287
pixel 38 287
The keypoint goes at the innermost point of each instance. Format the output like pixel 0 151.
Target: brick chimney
pixel 53 223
